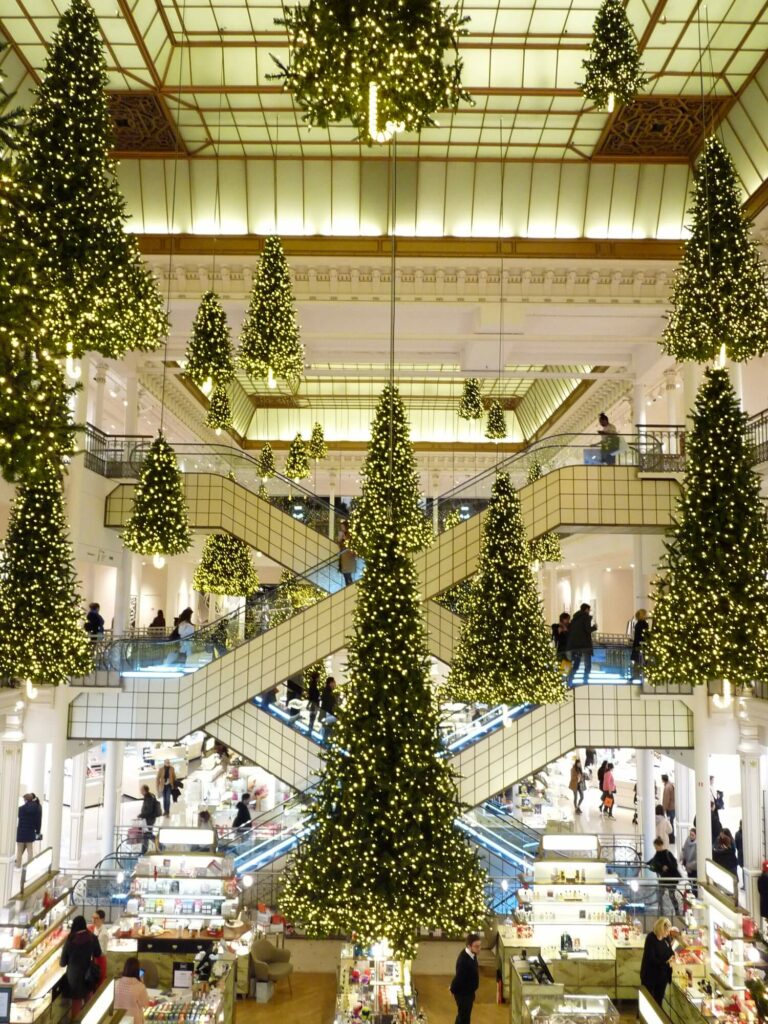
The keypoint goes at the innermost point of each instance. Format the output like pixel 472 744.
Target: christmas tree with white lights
pixel 613 69
pixel 297 460
pixel 209 356
pixel 41 623
pixel 714 578
pixel 505 653
pixel 471 402
pixel 389 501
pixel 159 520
pixel 94 288
pixel 270 345
pixel 383 858
pixel 720 296
pixel 226 567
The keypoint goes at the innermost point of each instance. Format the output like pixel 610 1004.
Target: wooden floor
pixel 314 997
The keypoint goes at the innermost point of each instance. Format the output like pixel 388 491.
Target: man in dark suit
pixel 466 979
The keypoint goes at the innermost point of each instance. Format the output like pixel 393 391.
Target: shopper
pixel 149 813
pixel 738 844
pixel 689 854
pixel 579 643
pixel 159 620
pixel 130 992
pixel 663 827
pixel 600 775
pixel 560 635
pixel 165 783
pixel 329 706
pixel 668 803
pixel 590 757
pixel 28 828
pixel 658 957
pixel 243 815
pixel 762 889
pixel 347 557
pixel 94 623
pixel 204 819
pixel 182 633
pixel 638 639
pixel 664 864
pixel 466 980
pixel 609 790
pixel 724 853
pixel 313 695
pixel 80 951
pixel 609 445
pixel 577 785
pixel 98 920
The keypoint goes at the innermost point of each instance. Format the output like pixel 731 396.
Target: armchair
pixel 270 963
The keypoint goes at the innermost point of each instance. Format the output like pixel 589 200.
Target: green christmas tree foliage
pixel 338 50
pixel 96 291
pixel 41 625
pixel 720 294
pixel 384 858
pixel 297 462
pixel 715 587
pixel 613 70
pixel 159 521
pixel 496 428
pixel 265 466
pixel 219 415
pixel 471 404
pixel 9 119
pixel 452 519
pixel 270 345
pixel 210 361
pixel 226 567
pixel 535 470
pixel 317 448
pixel 504 654
pixel 293 595
pixel 389 501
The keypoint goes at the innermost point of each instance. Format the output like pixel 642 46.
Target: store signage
pixel 37 868
pixel 183 974
pixel 186 837
pixel 6 994
pixel 647 1009
pixel 721 877
pixel 100 1006
pixel 569 843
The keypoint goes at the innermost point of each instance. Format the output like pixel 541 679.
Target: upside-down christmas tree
pixel 226 567
pixel 505 653
pixel 159 520
pixel 714 581
pixel 613 69
pixel 383 858
pixel 41 627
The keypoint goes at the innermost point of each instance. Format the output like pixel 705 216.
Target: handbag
pixel 608 800
pixel 92 975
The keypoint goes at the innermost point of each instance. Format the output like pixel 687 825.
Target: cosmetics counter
pixel 375 988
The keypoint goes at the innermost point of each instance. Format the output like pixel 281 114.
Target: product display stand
pixel 373 987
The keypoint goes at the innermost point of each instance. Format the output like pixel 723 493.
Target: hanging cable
pixel 392 302
pixel 706 166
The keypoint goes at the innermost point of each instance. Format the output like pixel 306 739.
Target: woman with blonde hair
pixel 658 957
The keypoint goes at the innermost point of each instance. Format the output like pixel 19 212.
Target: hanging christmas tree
pixel 293 595
pixel 297 462
pixel 159 520
pixel 714 583
pixel 720 295
pixel 94 287
pixel 270 346
pixel 209 356
pixel 219 415
pixel 384 858
pixel 389 500
pixel 317 448
pixel 378 65
pixel 41 625
pixel 265 465
pixel 496 427
pixel 226 567
pixel 471 404
pixel 613 69
pixel 505 653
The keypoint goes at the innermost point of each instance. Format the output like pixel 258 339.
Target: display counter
pixel 528 975
pixel 548 1008
pixel 373 987
pixel 32 930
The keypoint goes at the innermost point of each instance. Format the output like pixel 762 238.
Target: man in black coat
pixel 579 643
pixel 466 979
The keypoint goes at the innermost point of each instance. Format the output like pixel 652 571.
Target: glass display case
pixel 548 1008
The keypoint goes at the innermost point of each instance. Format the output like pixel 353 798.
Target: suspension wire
pixel 176 155
pixel 706 168
pixel 392 305
pixel 217 191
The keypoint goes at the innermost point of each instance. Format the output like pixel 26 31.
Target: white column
pixel 131 397
pixel 671 389
pixel 73 482
pixel 638 572
pixel 10 778
pixel 33 769
pixel 113 789
pixel 52 830
pixel 638 405
pixel 735 373
pixel 751 816
pixel 701 767
pixel 79 769
pixel 100 380
pixel 646 803
pixel 692 374
pixel 685 798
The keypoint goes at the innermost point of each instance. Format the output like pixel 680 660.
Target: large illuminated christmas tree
pixel 41 623
pixel 159 520
pixel 383 858
pixel 99 293
pixel 210 359
pixel 720 295
pixel 389 498
pixel 710 619
pixel 505 653
pixel 613 69
pixel 226 567
pixel 270 346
